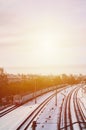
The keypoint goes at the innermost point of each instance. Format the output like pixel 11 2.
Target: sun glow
pixel 45 47
pixel 48 49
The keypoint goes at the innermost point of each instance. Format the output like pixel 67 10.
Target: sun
pixel 48 48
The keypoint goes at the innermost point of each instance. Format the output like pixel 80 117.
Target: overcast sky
pixel 37 33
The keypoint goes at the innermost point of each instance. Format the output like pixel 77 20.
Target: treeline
pixel 36 82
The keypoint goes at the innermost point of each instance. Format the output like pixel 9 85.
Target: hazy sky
pixel 37 33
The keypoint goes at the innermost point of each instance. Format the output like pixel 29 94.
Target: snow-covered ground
pixel 3 108
pixel 12 120
pixel 74 119
pixel 6 108
pixel 82 99
pixel 48 118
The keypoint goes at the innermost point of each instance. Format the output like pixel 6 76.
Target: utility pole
pixel 35 92
pixel 56 97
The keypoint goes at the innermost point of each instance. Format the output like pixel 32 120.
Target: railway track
pixel 3 113
pixel 26 124
pixel 66 119
pixel 28 121
pixel 65 114
pixel 7 111
pixel 81 117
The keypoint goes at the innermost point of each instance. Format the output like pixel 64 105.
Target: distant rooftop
pixel 1 71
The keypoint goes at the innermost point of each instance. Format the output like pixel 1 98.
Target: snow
pixel 6 108
pixel 75 126
pixel 12 120
pixel 82 100
pixel 48 118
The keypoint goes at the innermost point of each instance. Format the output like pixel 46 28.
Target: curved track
pixel 66 119
pixel 65 115
pixel 81 117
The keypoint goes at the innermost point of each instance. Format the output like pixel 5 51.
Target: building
pixel 1 71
